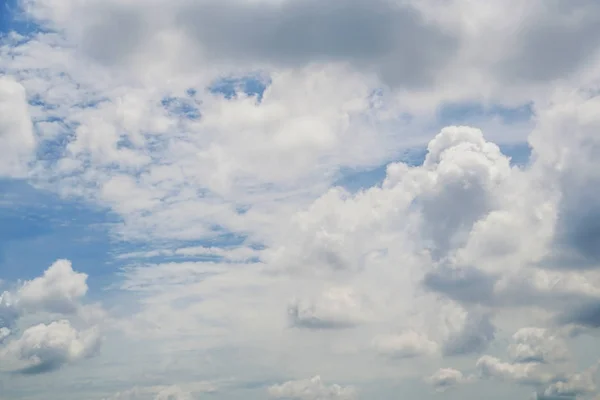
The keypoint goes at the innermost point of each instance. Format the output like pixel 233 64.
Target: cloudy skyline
pixel 299 199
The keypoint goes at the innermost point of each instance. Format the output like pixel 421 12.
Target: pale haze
pixel 299 199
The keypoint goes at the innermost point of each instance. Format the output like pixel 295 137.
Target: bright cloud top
pixel 291 214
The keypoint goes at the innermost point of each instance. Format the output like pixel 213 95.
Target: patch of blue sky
pixel 38 227
pixel 251 85
pixel 51 149
pixel 36 100
pixel 181 107
pixel 13 19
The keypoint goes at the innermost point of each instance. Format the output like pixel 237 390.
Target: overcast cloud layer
pixel 306 200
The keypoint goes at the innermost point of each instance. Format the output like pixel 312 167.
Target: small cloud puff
pixel 446 378
pixel 311 389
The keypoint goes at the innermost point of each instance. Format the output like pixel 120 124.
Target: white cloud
pixel 4 333
pixel 528 373
pixel 58 290
pixel 17 139
pixel 540 359
pixel 446 378
pixel 404 345
pixel 337 307
pixel 48 346
pixel 310 389
pixel 537 345
pixel 43 348
pixel 575 385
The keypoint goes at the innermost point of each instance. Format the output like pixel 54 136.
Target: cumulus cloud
pixel 468 172
pixel 527 374
pixel 539 359
pixel 575 385
pixel 17 139
pixel 404 345
pixel 58 290
pixel 47 347
pixel 537 345
pixel 447 378
pixel 336 308
pixel 310 389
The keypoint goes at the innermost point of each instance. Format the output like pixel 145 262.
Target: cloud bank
pixel 296 189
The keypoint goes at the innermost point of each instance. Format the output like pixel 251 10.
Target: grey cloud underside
pixel 577 242
pixel 7 317
pixel 475 336
pixel 468 285
pixel 578 239
pixel 563 36
pixel 117 32
pixel 587 315
pixel 42 368
pixel 298 320
pixel 393 40
pixel 376 36
pixel 552 397
pixel 472 286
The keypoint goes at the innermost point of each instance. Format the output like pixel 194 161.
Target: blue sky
pixel 234 200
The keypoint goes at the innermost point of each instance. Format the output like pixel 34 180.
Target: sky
pixel 299 199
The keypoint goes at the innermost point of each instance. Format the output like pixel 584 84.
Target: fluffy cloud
pixel 405 345
pixel 336 308
pixel 446 378
pixel 43 348
pixel 539 359
pixel 310 389
pixel 575 385
pixel 537 345
pixel 58 290
pixel 527 374
pixel 17 139
pixel 46 347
